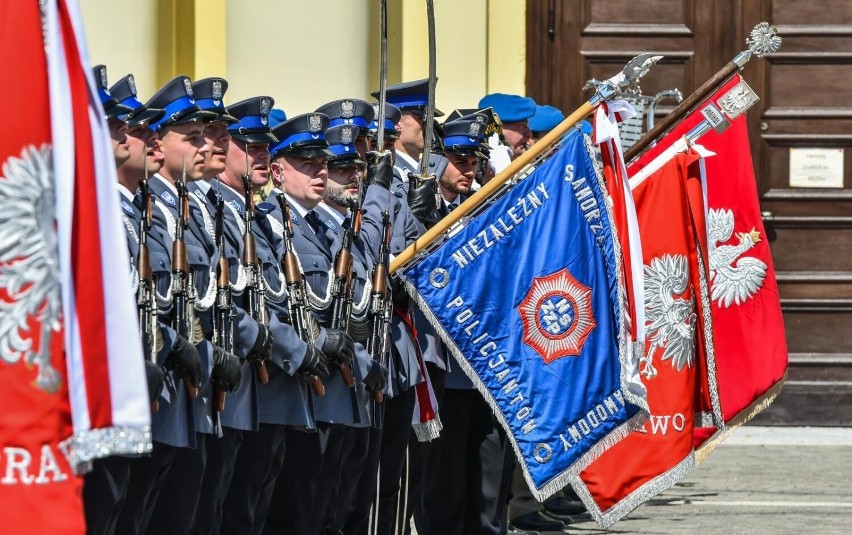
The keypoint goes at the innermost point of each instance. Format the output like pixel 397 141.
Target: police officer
pixel 173 424
pixel 299 168
pixel 468 472
pixel 106 484
pixel 514 112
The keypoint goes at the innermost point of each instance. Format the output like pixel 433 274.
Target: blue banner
pixel 528 297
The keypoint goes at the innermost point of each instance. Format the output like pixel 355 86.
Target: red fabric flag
pixel 661 453
pixel 74 389
pixel 750 369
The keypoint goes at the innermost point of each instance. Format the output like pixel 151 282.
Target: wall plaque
pixel 816 168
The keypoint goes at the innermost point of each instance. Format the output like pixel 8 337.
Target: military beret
pixel 510 108
pixel 545 119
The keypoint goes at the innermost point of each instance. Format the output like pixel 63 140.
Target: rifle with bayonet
pixel 297 294
pixel 380 311
pixel 183 291
pixel 146 303
pixel 256 286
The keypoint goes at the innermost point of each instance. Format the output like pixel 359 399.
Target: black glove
pixel 262 345
pixel 401 299
pixel 339 347
pixel 376 378
pixel 183 359
pixel 315 363
pixel 421 197
pixel 379 169
pixel 227 370
pixel 156 380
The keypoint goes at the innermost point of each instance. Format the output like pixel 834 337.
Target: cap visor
pixel 145 115
pixel 117 109
pixel 345 160
pixel 192 116
pixel 259 137
pixel 308 152
pixel 220 116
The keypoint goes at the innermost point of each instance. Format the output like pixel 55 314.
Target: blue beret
pixel 276 117
pixel 546 118
pixel 252 116
pixel 510 108
pixel 348 111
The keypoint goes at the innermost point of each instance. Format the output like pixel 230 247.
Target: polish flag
pixel 71 373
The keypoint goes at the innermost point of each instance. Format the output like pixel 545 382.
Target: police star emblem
pixel 216 92
pixel 187 86
pixel 314 123
pixel 557 316
pixel 347 109
pixel 131 84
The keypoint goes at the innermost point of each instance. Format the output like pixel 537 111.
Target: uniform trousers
pixel 291 508
pixel 147 475
pixel 418 457
pixel 221 456
pixel 104 492
pixel 331 470
pixel 258 465
pixel 360 455
pixel 469 471
pixel 175 508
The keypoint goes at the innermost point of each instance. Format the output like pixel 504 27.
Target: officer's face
pixel 411 132
pixel 257 164
pixel 142 143
pixel 342 186
pixel 118 134
pixel 517 136
pixel 458 177
pixel 362 145
pixel 218 139
pixel 184 144
pixel 302 178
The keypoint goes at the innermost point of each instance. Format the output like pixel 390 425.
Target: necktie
pixel 317 226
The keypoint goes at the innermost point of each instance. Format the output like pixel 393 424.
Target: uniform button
pixel 200 259
pixel 316 264
pixel 162 264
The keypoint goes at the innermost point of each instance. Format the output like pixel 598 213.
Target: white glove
pixel 501 155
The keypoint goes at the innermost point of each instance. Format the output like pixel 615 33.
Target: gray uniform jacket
pixel 284 399
pixel 339 404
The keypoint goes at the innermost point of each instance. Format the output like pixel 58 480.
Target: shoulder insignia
pixel 127 208
pixel 168 198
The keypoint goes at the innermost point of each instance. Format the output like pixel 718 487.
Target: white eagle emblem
pixel 346 136
pixel 131 84
pixel 347 109
pixel 216 91
pixel 187 86
pixel 102 75
pixel 265 104
pixel 314 123
pixel 474 129
pixel 670 316
pixel 557 316
pixel 29 270
pixel 733 278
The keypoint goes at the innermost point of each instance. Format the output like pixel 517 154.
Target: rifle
pixel 342 286
pixel 145 300
pixel 297 302
pixel 182 290
pixel 256 287
pixel 380 311
pixel 224 326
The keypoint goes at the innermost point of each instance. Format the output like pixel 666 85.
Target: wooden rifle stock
pixel 342 288
pixel 256 287
pixel 296 303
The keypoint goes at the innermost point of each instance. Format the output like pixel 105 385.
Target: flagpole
pixel 635 69
pixel 763 40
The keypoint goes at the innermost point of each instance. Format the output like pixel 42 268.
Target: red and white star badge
pixel 557 316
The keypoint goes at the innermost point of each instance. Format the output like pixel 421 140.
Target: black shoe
pixel 562 506
pixel 536 521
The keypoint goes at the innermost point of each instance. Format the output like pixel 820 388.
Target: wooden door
pixel 805 104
